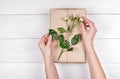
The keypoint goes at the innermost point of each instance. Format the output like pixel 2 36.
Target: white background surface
pixel 23 22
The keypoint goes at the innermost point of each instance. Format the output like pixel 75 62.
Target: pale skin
pixel 95 67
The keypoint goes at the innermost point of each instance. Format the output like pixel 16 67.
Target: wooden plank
pixel 36 71
pixel 23 26
pixel 108 50
pixel 34 26
pixel 22 71
pixel 107 25
pixel 43 6
pixel 27 50
pixel 113 70
pixel 20 50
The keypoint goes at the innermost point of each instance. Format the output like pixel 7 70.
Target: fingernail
pixel 50 36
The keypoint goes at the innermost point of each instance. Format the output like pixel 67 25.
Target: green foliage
pixel 73 18
pixel 61 38
pixel 79 20
pixel 70 49
pixel 75 39
pixel 53 33
pixel 64 43
pixel 62 30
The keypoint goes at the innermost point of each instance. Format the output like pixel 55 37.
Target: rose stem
pixel 60 54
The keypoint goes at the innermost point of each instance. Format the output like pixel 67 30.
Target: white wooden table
pixel 23 22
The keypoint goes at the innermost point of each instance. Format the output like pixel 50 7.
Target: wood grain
pixel 36 71
pixel 27 50
pixel 43 6
pixel 22 21
pixel 34 26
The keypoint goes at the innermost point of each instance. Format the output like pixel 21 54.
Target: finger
pixel 82 27
pixel 49 42
pixel 44 39
pixel 88 22
pixel 45 36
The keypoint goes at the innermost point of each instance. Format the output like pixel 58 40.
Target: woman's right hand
pixel 88 34
pixel 45 46
pixel 88 31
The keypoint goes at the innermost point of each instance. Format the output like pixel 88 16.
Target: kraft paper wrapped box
pixel 78 53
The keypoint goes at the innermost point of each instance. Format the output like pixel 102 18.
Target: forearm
pixel 51 72
pixel 96 70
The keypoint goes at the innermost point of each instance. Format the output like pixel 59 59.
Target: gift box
pixel 58 16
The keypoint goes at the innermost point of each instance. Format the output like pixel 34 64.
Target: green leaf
pixel 65 44
pixel 70 49
pixel 61 38
pixel 62 30
pixel 53 33
pixel 75 39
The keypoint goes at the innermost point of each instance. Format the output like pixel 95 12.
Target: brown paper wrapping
pixel 78 53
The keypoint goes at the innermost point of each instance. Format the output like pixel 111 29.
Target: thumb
pixel 49 40
pixel 82 27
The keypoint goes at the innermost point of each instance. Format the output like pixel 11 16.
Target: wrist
pixel 48 59
pixel 88 46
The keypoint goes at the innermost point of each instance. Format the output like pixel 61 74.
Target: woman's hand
pixel 88 31
pixel 45 46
